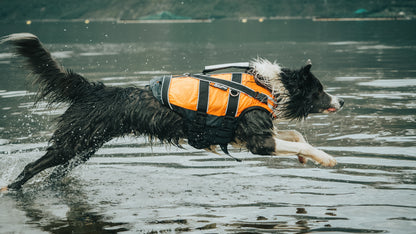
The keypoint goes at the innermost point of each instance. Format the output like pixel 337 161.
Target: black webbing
pixel 233 96
pixel 233 85
pixel 203 96
pixel 165 90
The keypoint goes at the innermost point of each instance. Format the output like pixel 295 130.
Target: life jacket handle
pixel 211 68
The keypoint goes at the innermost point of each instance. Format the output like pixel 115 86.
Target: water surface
pixel 133 185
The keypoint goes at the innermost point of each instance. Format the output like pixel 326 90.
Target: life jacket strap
pixel 165 90
pixel 203 96
pixel 233 97
pixel 236 86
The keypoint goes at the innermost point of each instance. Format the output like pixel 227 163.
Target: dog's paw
pixel 318 156
pixel 329 162
pixel 326 160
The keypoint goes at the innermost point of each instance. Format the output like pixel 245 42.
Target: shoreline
pixel 241 19
pixel 317 19
pixel 163 21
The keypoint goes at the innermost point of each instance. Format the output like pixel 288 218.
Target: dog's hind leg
pixel 293 136
pixel 69 149
pixel 62 170
pixel 86 145
pixel 53 157
pixel 65 158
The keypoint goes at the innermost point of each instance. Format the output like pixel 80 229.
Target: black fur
pixel 306 92
pixel 98 113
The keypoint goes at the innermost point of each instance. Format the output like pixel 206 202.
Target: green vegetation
pixel 198 9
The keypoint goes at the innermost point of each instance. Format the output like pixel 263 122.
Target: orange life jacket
pixel 212 104
pixel 185 92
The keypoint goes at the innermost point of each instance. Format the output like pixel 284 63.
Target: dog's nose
pixel 341 102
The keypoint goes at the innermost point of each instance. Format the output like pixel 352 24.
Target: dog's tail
pixel 55 82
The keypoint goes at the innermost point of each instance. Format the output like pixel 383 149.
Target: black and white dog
pixel 98 113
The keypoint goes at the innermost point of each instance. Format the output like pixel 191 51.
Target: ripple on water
pixel 390 83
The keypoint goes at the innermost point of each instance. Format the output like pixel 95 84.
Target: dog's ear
pixel 308 66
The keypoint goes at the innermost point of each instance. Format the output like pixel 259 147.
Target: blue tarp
pixel 360 11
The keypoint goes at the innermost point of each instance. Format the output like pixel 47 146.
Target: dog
pixel 98 113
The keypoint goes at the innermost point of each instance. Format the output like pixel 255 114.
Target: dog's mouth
pixel 330 110
pixel 327 110
pixel 336 105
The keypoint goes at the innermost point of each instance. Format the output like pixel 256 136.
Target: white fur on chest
pixel 268 74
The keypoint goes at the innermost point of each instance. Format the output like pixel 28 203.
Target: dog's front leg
pixel 294 136
pixel 305 150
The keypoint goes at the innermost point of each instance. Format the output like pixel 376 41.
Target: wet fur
pixel 97 113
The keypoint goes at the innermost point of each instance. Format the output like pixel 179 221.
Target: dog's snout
pixel 341 102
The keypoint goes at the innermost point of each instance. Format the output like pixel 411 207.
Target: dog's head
pixel 306 94
pixel 298 92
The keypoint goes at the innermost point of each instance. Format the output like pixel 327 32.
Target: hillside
pixel 197 9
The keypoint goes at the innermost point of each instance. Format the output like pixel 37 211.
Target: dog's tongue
pixel 332 109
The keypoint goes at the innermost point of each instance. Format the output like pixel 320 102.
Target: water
pixel 133 185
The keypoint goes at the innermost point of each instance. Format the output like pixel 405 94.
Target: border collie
pixel 97 113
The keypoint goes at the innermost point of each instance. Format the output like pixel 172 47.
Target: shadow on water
pixel 75 213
